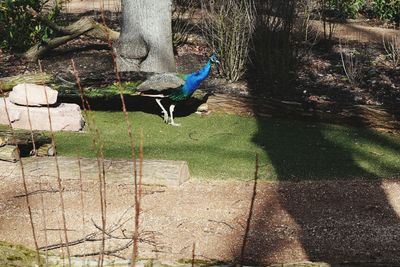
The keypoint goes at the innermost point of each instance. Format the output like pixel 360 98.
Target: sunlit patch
pixel 392 190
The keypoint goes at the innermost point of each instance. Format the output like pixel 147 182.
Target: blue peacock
pixel 174 86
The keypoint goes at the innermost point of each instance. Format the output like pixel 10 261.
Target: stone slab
pixel 160 172
pixel 65 117
pixel 29 94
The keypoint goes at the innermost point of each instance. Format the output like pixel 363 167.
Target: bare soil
pixel 336 222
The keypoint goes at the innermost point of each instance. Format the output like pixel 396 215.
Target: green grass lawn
pixel 221 146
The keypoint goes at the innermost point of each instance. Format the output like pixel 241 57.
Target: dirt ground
pixel 335 222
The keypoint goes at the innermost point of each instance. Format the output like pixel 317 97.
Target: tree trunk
pixel 145 43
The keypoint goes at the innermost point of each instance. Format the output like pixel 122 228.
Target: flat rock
pixel 65 117
pixel 159 172
pixel 28 94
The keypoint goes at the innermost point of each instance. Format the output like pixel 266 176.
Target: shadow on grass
pixel 345 215
pixel 311 151
pixel 346 219
pixel 137 103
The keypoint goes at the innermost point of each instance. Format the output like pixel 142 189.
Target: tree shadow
pixel 328 205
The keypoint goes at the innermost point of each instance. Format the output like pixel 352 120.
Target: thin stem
pixel 82 202
pixel 98 145
pixel 253 198
pixel 133 150
pixel 59 181
pixel 44 219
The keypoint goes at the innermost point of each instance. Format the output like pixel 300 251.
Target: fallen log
pixel 9 153
pixel 7 83
pixel 84 26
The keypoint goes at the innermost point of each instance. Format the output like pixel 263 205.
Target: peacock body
pixel 174 86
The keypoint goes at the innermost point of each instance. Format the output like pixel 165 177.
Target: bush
pixel 341 9
pixel 228 27
pixel 19 29
pixel 386 9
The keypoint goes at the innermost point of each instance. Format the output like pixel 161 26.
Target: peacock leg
pixel 171 111
pixel 163 110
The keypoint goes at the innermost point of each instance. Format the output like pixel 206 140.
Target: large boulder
pixel 28 94
pixel 65 117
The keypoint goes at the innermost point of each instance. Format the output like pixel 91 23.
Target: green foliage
pixel 342 9
pixel 19 28
pixel 386 9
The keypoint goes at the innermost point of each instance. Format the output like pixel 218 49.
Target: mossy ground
pixel 12 255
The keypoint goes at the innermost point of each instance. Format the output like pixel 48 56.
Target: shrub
pixel 19 28
pixel 386 9
pixel 392 48
pixel 341 9
pixel 352 65
pixel 304 11
pixel 228 26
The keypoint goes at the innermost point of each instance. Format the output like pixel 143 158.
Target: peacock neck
pixel 194 80
pixel 205 70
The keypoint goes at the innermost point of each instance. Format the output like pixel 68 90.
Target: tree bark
pixel 7 83
pixel 145 43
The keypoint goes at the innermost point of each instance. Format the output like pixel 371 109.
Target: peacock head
pixel 214 58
